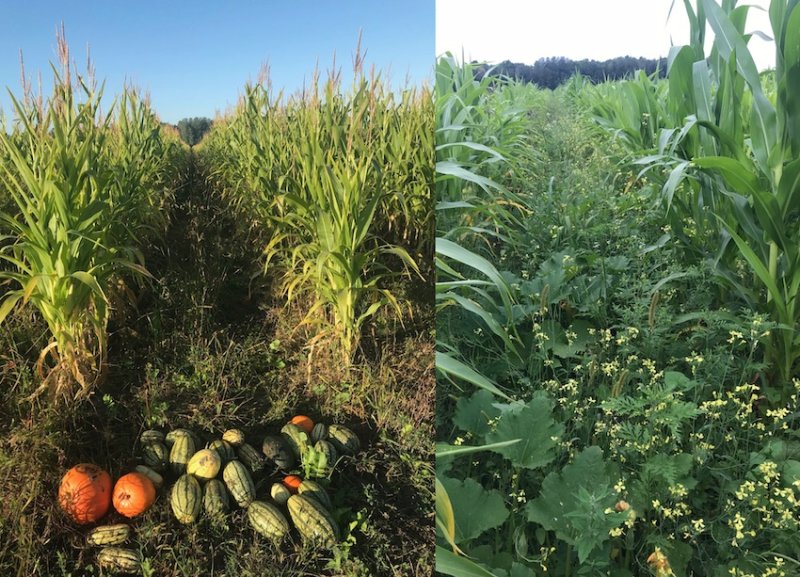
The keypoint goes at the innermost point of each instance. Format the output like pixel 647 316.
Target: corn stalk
pixel 339 182
pixel 733 167
pixel 82 192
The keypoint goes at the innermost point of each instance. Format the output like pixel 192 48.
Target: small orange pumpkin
pixel 85 493
pixel 134 493
pixel 303 422
pixel 292 482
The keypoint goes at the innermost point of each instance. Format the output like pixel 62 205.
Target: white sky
pixel 526 30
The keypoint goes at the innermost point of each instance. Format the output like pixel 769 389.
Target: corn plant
pixel 144 161
pixel 467 283
pixel 337 183
pixel 721 141
pixel 80 205
pixel 634 110
pixel 472 209
pixel 470 146
pixel 732 168
pixel 54 253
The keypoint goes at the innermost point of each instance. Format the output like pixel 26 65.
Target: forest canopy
pixel 551 72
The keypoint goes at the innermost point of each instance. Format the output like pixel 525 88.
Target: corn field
pixel 280 265
pixel 338 181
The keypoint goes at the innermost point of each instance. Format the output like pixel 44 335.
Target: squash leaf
pixel 476 509
pixel 573 503
pixel 473 413
pixel 532 423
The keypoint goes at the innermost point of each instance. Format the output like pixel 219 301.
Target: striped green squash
pixel 327 449
pixel 278 450
pixel 224 449
pixel 151 436
pixel 279 493
pixel 175 434
pixel 345 440
pixel 233 436
pixel 204 464
pixel 120 560
pixel 156 456
pixel 267 520
pixel 316 491
pixel 182 450
pixel 313 521
pixel 319 433
pixel 156 478
pixel 251 457
pixel 109 535
pixel 296 438
pixel 215 498
pixel 186 499
pixel 239 482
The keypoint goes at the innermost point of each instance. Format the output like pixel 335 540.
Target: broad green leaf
pixel 472 145
pixel 674 180
pixel 789 78
pixel 7 306
pixel 668 279
pixel 445 517
pixel 476 509
pixel 449 249
pixel 681 89
pixel 473 413
pixel 761 271
pixel 728 40
pixel 573 503
pixel 770 219
pixel 533 423
pixel 491 322
pixel 789 188
pixel 450 205
pixel 763 134
pixel 520 570
pixel 449 168
pixel 674 380
pixel 731 44
pixel 790 472
pixel 89 281
pixel 30 287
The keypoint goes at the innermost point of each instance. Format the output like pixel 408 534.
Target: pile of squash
pixel 209 479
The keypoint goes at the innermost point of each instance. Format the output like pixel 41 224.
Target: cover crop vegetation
pixel 616 322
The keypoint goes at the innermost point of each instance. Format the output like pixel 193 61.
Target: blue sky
pixel 195 57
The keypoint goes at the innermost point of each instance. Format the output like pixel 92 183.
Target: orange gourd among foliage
pixel 85 493
pixel 292 482
pixel 303 422
pixel 134 493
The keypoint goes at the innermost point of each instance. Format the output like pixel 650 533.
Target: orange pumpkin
pixel 85 493
pixel 304 423
pixel 134 493
pixel 292 482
